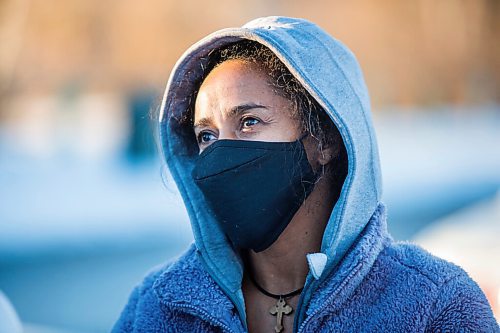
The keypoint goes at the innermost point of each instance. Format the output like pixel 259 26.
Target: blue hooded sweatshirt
pixel 361 280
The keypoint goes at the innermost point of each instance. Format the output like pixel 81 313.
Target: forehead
pixel 233 82
pixel 234 76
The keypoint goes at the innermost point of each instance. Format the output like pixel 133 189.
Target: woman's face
pixel 237 102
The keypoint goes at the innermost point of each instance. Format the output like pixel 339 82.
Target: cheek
pixel 280 130
pixel 289 129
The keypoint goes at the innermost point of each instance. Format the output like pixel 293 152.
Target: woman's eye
pixel 205 137
pixel 249 122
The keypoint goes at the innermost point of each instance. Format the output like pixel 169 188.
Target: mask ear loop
pixel 300 139
pixel 317 175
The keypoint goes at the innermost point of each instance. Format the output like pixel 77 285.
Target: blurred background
pixel 86 208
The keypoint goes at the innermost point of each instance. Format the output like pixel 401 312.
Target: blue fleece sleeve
pixel 143 311
pixel 125 322
pixel 462 307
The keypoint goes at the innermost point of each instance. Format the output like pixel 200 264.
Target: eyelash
pixel 200 135
pixel 245 119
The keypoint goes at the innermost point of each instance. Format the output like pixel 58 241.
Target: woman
pixel 267 132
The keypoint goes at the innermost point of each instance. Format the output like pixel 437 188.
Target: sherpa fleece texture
pixel 404 290
pixel 360 280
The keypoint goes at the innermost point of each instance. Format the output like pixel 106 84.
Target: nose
pixel 227 135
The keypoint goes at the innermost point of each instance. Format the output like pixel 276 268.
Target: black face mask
pixel 254 188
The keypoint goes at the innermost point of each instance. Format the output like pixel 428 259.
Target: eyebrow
pixel 232 112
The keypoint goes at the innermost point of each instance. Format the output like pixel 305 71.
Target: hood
pixel 330 73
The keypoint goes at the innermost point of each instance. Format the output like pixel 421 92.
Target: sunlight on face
pixel 237 102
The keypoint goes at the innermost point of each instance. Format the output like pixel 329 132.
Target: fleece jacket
pixel 360 280
pixel 405 289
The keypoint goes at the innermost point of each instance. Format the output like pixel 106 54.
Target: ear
pixel 326 154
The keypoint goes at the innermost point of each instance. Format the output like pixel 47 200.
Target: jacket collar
pixel 187 286
pixel 339 284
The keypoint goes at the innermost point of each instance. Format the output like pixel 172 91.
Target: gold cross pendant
pixel 279 310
